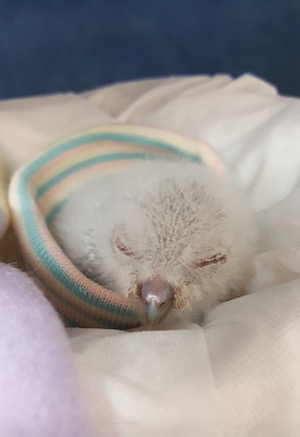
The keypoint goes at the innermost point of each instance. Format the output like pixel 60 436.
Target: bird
pixel 177 235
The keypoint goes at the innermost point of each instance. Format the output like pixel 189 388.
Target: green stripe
pixel 104 322
pixel 85 164
pixel 54 211
pixel 105 136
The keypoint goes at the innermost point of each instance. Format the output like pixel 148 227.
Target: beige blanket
pixel 239 374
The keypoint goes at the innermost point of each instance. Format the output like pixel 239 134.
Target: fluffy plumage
pixel 175 234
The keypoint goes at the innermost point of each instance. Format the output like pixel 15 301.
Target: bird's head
pixel 179 243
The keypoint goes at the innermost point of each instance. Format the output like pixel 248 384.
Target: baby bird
pixel 174 234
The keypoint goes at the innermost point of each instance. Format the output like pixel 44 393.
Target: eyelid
pixel 215 259
pixel 120 247
pixel 123 248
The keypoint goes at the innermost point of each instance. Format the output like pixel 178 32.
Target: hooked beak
pixel 158 296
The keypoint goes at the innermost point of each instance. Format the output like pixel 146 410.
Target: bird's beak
pixel 158 296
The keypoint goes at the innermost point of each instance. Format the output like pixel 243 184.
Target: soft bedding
pixel 238 375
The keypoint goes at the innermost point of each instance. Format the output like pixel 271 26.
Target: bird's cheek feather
pixel 180 299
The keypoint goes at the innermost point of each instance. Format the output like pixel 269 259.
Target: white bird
pixel 174 234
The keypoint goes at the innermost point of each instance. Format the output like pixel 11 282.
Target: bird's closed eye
pixel 215 259
pixel 123 248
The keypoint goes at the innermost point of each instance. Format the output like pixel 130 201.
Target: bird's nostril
pixel 138 290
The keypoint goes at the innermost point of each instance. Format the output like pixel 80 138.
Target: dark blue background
pixel 50 46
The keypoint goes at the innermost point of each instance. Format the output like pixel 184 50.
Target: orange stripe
pixel 78 154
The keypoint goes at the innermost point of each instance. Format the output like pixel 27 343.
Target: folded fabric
pixel 40 394
pixel 239 375
pixel 39 190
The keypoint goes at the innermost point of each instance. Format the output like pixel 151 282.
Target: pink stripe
pixel 68 184
pixel 70 154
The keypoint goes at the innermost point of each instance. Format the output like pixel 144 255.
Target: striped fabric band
pixel 39 190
